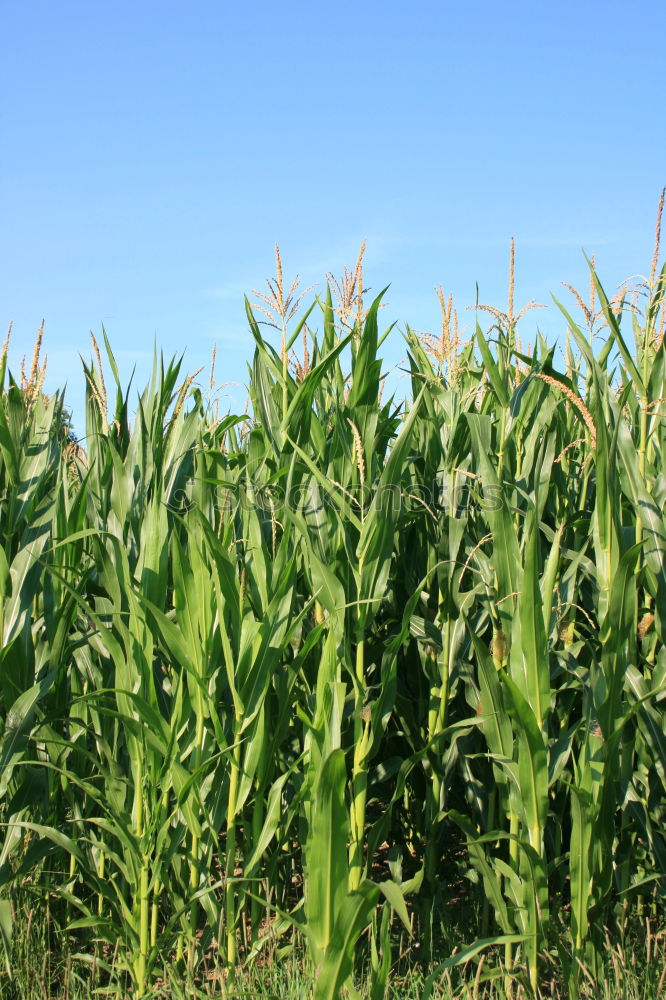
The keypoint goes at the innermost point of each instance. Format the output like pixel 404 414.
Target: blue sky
pixel 154 152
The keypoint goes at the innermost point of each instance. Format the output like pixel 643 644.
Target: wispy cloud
pixel 228 291
pixel 312 261
pixel 539 242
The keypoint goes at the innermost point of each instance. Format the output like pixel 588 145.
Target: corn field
pixel 345 668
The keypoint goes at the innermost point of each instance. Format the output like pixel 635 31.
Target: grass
pixel 633 970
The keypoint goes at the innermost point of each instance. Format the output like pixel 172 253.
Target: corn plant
pixel 271 680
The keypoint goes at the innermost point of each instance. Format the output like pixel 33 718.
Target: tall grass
pixel 326 671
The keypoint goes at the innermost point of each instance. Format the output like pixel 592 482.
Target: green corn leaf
pixel 328 868
pixel 496 380
pixel 352 917
pixel 532 763
pixel 6 928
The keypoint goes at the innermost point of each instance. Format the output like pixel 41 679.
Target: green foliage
pixel 282 678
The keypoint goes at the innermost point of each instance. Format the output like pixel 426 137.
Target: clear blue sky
pixel 152 153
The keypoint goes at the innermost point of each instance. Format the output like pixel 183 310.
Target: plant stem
pixel 230 915
pixel 359 776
